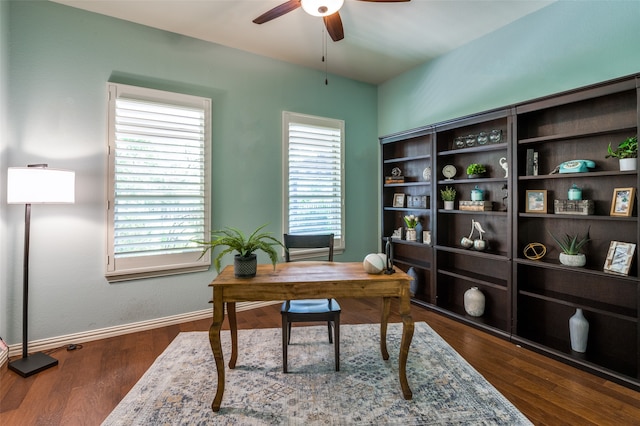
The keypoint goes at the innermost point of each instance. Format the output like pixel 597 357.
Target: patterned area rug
pixel 179 387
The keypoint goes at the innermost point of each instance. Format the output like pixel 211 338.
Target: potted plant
pixel 448 195
pixel 474 170
pixel 245 261
pixel 626 153
pixel 570 246
pixel 411 221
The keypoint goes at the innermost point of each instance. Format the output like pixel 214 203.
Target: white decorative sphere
pixel 374 263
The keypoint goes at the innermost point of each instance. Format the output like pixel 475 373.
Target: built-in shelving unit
pixel 577 125
pixel 412 155
pixel 527 301
pixel 458 268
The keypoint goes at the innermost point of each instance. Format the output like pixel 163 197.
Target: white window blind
pixel 159 190
pixel 315 176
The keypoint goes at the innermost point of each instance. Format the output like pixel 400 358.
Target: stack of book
pixel 475 206
pixel 394 179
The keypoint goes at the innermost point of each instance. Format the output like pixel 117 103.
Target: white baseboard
pixel 120 330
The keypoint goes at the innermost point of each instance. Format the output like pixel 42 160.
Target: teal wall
pixel 53 109
pixel 565 45
pixel 60 59
pixel 4 84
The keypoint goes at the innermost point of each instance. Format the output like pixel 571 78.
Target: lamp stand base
pixel 32 364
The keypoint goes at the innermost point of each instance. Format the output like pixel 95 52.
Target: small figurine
pixel 505 166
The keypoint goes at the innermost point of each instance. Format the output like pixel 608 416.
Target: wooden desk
pixel 308 280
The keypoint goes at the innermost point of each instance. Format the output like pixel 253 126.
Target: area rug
pixel 179 387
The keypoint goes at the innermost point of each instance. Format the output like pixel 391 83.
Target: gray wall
pixel 60 59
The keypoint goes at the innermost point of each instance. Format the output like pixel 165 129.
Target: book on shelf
pixel 475 206
pixel 394 179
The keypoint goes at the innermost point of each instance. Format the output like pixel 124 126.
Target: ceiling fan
pixel 327 9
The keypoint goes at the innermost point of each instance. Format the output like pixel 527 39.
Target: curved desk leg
pixel 407 336
pixel 386 308
pixel 216 346
pixel 233 326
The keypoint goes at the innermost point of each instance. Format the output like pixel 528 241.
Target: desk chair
pixel 310 310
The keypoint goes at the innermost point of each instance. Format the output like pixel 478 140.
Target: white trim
pixel 120 330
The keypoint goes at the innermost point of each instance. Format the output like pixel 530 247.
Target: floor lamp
pixel 35 184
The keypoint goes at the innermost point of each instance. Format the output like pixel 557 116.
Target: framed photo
pixel 622 202
pixel 417 201
pixel 536 201
pixel 398 200
pixel 619 258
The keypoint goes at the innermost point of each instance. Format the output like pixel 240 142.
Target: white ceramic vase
pixel 578 331
pixel 474 302
pixel 411 234
pixel 573 259
pixel 448 205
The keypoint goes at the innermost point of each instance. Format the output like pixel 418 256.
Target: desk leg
pixel 233 327
pixel 386 308
pixel 216 346
pixel 407 336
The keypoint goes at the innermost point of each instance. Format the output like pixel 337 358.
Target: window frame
pixel 311 120
pixel 136 267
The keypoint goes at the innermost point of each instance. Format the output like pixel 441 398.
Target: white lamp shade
pixel 40 185
pixel 321 7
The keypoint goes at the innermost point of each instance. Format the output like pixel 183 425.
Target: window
pixel 314 177
pixel 158 183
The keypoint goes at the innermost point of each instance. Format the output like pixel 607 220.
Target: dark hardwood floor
pixel 89 382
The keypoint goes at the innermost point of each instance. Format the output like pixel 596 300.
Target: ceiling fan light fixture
pixel 321 7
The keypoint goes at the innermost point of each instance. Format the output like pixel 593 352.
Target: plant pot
pixel 627 164
pixel 411 234
pixel 573 259
pixel 448 205
pixel 245 267
pixel 474 176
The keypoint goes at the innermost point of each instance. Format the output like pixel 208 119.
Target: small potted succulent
pixel 626 153
pixel 570 246
pixel 245 261
pixel 475 170
pixel 448 195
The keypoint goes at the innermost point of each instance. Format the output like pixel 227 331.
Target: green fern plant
pixel 235 240
pixel 448 194
pixel 571 244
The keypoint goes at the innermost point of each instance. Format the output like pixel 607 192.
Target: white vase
pixel 411 234
pixel 578 331
pixel 448 205
pixel 627 164
pixel 573 259
pixel 474 302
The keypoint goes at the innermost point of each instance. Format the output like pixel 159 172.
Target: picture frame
pixel 622 201
pixel 417 201
pixel 619 258
pixel 398 200
pixel 536 201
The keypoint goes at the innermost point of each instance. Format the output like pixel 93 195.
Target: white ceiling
pixel 381 40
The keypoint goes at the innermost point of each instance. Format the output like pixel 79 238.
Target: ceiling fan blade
pixel 277 11
pixel 334 26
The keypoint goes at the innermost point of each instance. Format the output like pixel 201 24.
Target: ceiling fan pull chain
pixel 325 57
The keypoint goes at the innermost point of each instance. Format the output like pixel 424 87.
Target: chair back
pixel 308 241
